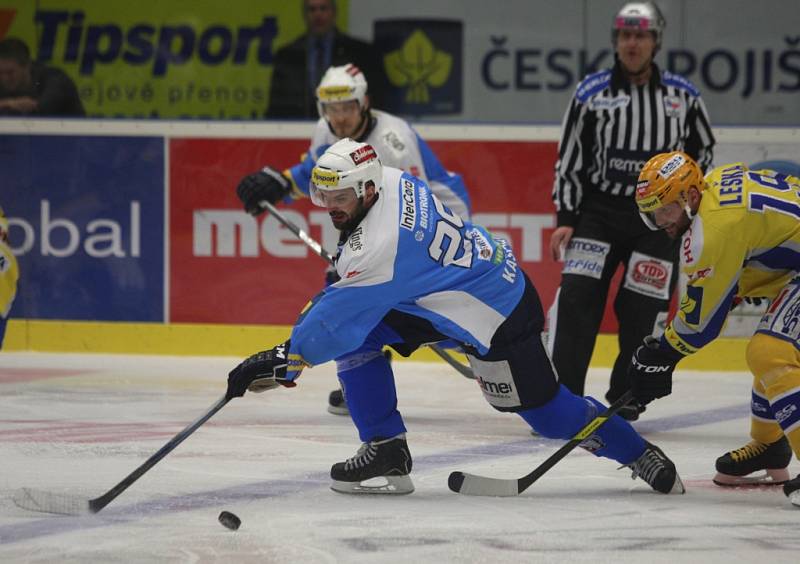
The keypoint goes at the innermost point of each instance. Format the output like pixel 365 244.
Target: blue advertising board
pixel 86 221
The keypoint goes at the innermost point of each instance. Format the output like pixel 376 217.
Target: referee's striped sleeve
pixel 567 189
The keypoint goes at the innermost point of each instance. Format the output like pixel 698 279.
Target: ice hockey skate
pixel 336 403
pixel 380 466
pixel 734 467
pixel 656 469
pixel 792 490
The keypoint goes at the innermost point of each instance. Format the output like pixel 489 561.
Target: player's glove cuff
pixel 650 371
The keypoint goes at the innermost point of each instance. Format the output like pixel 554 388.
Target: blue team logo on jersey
pixel 422 60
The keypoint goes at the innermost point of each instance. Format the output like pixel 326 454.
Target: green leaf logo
pixel 418 66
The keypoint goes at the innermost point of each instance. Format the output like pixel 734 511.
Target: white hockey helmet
pixel 639 15
pixel 341 84
pixel 346 164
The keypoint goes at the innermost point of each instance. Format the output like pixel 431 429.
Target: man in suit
pixel 299 66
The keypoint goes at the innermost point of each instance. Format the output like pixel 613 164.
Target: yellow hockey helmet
pixel 664 179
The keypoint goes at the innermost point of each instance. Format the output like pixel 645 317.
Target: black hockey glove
pixel 650 371
pixel 331 276
pixel 266 184
pixel 260 372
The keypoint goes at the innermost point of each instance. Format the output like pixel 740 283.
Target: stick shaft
pixel 588 430
pixel 99 503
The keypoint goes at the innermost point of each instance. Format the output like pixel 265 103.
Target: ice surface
pixel 78 424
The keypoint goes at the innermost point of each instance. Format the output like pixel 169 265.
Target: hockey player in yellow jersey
pixel 9 273
pixel 740 233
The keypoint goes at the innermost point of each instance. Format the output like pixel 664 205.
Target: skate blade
pixel 678 487
pixel 386 485
pixel 794 497
pixel 774 477
pixel 338 410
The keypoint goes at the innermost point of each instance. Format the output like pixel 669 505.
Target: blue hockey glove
pixel 260 372
pixel 650 371
pixel 266 184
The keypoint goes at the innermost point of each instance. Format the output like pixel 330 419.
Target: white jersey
pixel 412 254
pixel 398 146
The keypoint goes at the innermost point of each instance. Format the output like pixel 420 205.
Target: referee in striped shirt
pixel 617 119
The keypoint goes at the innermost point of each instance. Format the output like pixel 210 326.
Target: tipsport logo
pixel 423 61
pixel 159 46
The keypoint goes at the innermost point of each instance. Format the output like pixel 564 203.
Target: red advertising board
pixel 229 268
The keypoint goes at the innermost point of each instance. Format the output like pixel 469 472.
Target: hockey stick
pixel 470 484
pixel 47 502
pixel 317 248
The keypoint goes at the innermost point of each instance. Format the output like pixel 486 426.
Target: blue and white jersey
pixel 412 254
pixel 398 146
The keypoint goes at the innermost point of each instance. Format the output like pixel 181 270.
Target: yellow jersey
pixel 9 270
pixel 744 241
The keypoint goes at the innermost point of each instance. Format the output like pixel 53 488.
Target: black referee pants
pixel 649 260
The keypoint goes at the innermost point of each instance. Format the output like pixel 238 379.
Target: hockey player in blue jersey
pixel 345 111
pixel 413 272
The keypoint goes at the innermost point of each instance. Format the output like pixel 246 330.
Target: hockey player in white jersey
pixel 413 272
pixel 345 111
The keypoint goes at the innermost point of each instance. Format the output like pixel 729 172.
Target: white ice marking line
pixel 54 525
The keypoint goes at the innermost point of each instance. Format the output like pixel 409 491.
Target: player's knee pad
pixel 561 417
pixel 771 359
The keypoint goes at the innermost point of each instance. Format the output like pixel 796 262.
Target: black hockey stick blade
pixel 317 248
pixel 471 484
pixel 47 502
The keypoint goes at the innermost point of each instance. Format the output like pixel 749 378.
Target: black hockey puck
pixel 229 520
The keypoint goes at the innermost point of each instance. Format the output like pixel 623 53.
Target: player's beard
pixel 348 222
pixel 356 132
pixel 677 229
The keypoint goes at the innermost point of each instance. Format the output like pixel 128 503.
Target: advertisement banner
pixel 202 59
pixel 228 267
pixel 86 222
pixel 422 60
pixel 522 60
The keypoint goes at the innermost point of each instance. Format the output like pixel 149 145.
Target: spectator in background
pixel 299 66
pixel 28 88
pixel 9 273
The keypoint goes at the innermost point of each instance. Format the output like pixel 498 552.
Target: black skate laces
pixel 648 465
